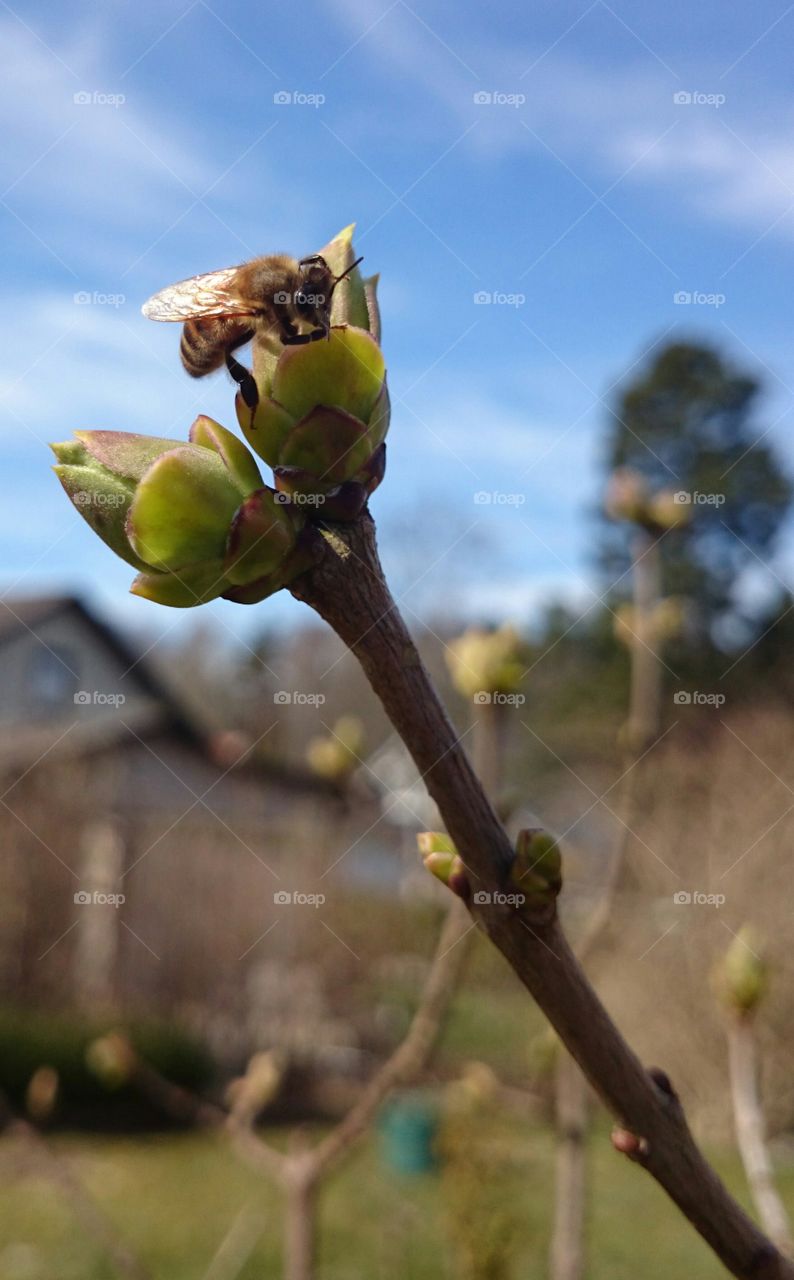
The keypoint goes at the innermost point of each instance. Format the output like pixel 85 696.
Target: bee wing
pixel 211 294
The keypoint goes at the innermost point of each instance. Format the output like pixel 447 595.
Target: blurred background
pixel 582 215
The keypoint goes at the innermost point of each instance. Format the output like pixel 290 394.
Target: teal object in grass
pixel 409 1128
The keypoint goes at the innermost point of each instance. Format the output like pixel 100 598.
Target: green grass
pixel 174 1197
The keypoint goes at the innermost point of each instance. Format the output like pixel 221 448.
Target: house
pixel 145 855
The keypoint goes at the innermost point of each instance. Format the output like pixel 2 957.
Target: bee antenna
pixel 352 267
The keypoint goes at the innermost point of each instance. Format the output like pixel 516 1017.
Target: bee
pixel 275 295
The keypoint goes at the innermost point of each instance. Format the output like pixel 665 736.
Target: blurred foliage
pixel 60 1042
pixel 484 1222
pixel 688 422
pixel 174 1198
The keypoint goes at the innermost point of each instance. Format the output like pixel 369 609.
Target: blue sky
pixel 582 190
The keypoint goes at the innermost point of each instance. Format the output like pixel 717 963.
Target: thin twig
pixel 567 1250
pixel 749 1121
pixel 237 1245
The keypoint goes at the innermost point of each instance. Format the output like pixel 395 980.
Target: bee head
pixel 316 289
pixel 314 292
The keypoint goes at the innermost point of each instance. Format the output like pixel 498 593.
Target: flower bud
pixel 655 627
pixel 323 407
pixel 741 979
pixel 486 661
pixel 434 842
pixel 442 860
pixel 112 1059
pixel 250 1093
pixel 537 868
pixel 628 497
pixel 194 518
pixel 336 755
pixel 41 1095
pixel 667 513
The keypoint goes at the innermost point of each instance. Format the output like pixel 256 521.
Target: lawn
pixel 174 1197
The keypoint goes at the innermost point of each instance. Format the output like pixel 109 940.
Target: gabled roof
pixel 22 615
pixel 28 614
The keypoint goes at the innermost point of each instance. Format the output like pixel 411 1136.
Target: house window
pixel 51 678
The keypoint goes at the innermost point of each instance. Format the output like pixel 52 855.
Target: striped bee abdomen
pixel 206 341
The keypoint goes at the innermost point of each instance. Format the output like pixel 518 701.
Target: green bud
pixel 667 513
pixel 741 979
pixel 486 661
pixel 323 410
pixel 654 627
pixel 629 498
pixel 434 842
pixel 111 1059
pixel 337 754
pixel 354 299
pixel 182 509
pixel 537 868
pixel 443 861
pixel 194 519
pixel 324 413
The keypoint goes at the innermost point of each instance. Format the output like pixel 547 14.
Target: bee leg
pixel 245 380
pixel 301 339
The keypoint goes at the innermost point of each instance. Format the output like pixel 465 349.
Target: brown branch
pixel 189 1108
pixel 349 591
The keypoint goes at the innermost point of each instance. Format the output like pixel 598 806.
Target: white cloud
pixel 523 598
pixel 732 164
pixel 71 152
pixel 106 365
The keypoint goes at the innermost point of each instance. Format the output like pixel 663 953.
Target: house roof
pixel 28 613
pixel 170 713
